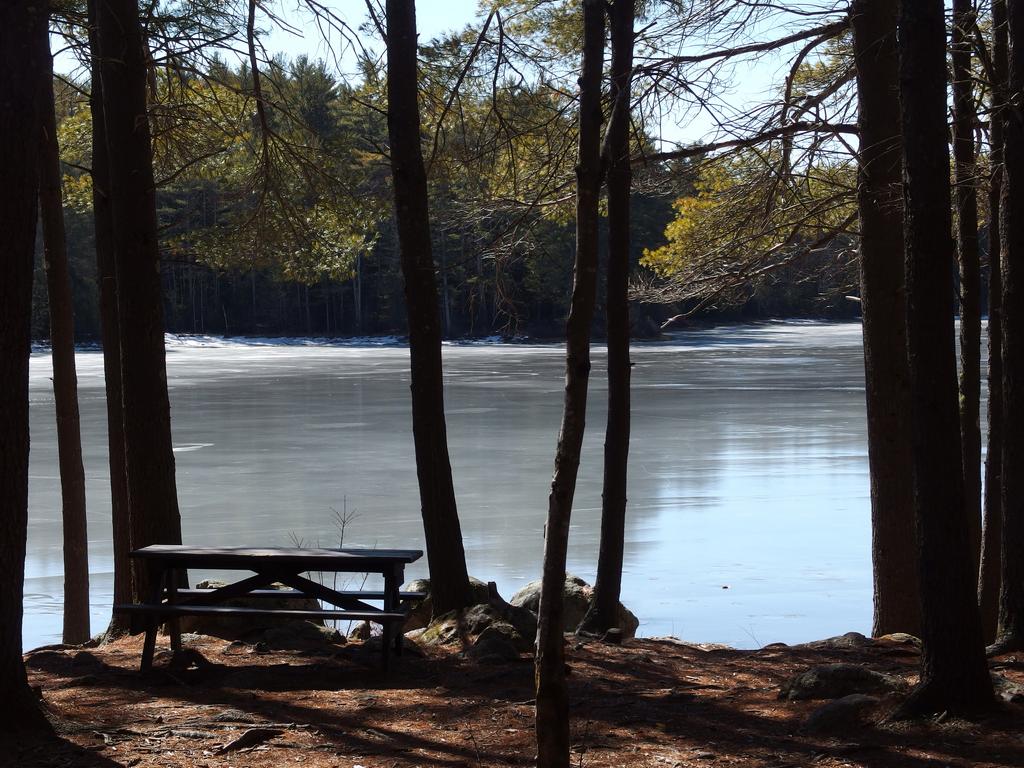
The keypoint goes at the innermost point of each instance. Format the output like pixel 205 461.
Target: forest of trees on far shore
pixel 303 241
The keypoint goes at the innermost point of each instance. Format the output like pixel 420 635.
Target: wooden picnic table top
pixel 228 558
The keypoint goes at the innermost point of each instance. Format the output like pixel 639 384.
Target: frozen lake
pixel 748 488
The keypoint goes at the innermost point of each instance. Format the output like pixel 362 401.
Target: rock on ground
pixel 839 642
pixel 420 612
pixel 498 643
pixel 515 621
pixel 1006 689
pixel 707 647
pixel 576 598
pixel 518 625
pixel 832 681
pixel 237 627
pixel 444 630
pixel 844 714
pixel 467 628
pixel 361 631
pixel 900 637
pixel 300 635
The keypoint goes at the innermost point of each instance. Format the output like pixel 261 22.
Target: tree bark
pixel 149 460
pixel 449 581
pixel 552 716
pixel 446 308
pixel 1011 601
pixel 965 178
pixel 954 674
pixel 357 293
pixel 65 380
pixel 110 333
pixel 21 25
pixel 604 613
pixel 988 586
pixel 883 306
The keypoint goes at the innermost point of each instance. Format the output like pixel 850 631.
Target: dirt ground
pixel 645 703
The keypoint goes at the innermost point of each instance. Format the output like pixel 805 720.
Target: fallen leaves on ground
pixel 647 703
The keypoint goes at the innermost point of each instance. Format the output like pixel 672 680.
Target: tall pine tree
pixel 954 674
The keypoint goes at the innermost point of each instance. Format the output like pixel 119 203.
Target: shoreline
pixel 400 341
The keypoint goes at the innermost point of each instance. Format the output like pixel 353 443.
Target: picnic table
pixel 284 565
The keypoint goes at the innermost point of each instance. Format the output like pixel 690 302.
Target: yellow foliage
pixel 78 192
pixel 741 210
pixel 682 233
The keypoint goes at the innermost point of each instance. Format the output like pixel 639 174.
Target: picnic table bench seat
pixel 365 595
pixel 178 609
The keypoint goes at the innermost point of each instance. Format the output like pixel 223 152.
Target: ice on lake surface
pixel 748 487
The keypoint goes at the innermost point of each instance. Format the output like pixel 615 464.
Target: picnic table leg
pixel 400 630
pixel 392 634
pixel 152 620
pixel 173 624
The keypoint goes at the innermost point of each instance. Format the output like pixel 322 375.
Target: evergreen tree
pixel 954 675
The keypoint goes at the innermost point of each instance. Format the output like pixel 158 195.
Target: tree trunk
pixel 988 586
pixel 65 381
pixel 110 335
pixel 552 717
pixel 339 316
pixel 446 309
pixel 21 25
pixel 965 177
pixel 309 317
pixel 954 675
pixel 252 290
pixel 149 460
pixel 449 582
pixel 357 293
pixel 1011 602
pixel 326 293
pixel 604 614
pixel 883 306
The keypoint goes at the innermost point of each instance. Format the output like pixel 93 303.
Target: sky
pixel 435 17
pixel 432 18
